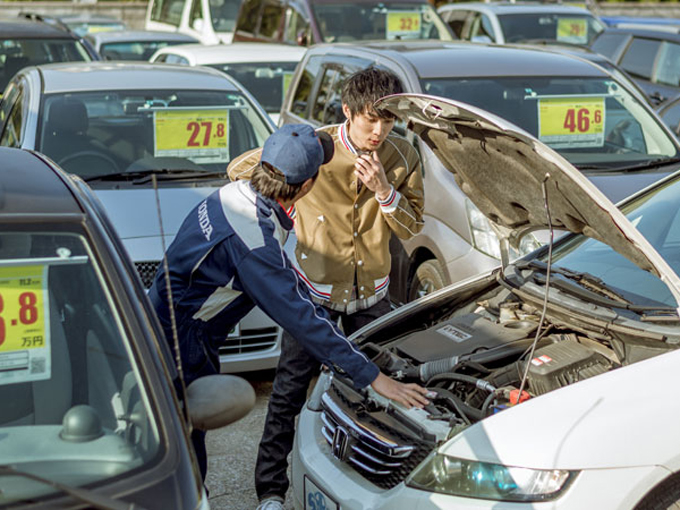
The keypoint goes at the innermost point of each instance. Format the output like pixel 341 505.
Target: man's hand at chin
pixel 408 395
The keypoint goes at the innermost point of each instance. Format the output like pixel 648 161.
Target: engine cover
pixel 563 363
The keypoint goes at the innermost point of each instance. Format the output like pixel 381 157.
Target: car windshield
pixel 108 133
pixel 657 216
pixel 268 82
pixel 566 28
pixel 592 122
pixel 132 50
pixel 350 21
pixel 74 405
pixel 223 14
pixel 15 54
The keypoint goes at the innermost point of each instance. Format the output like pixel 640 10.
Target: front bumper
pixel 615 489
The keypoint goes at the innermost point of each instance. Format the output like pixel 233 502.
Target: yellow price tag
pixel 572 121
pixel 22 308
pixel 572 30
pixel 402 23
pixel 94 29
pixel 201 135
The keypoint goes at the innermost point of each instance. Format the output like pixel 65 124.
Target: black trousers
pixel 295 371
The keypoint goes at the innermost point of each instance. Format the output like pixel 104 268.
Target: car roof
pixel 237 52
pixel 31 186
pixel 138 36
pixel 27 29
pixel 518 8
pixel 661 35
pixel 95 76
pixel 432 59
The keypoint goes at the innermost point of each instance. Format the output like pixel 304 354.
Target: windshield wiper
pixel 86 496
pixel 648 163
pixel 162 174
pixel 591 288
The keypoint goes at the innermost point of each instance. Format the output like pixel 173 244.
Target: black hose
pixel 461 407
pixel 478 383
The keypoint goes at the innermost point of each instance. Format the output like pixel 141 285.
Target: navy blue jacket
pixel 226 258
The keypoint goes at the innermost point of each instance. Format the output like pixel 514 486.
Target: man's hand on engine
pixel 408 395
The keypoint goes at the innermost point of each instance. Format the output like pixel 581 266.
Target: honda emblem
pixel 340 444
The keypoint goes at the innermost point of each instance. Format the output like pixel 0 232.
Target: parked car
pixel 119 126
pixel 509 22
pixel 134 44
pixel 24 43
pixel 307 22
pixel 209 21
pixel 649 56
pixel 92 410
pixel 264 69
pixel 622 148
pixel 551 376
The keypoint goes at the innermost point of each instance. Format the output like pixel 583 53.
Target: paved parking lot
pixel 232 451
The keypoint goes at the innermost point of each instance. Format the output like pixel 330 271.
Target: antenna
pixel 547 284
pixel 168 289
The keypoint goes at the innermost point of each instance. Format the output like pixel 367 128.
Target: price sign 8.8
pixel 571 121
pixel 24 331
pixel 199 135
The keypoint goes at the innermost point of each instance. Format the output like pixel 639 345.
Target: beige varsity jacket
pixel 342 233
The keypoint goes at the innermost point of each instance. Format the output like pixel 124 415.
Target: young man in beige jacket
pixel 371 188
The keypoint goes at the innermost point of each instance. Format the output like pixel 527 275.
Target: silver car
pixel 120 127
pixel 574 106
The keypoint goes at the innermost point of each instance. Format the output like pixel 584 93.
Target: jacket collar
pixel 344 137
pixel 268 205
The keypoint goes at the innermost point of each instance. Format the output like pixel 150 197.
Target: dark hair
pixel 365 87
pixel 272 184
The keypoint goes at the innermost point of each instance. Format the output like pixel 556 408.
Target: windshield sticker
pixel 25 348
pixel 572 30
pixel 198 135
pixel 287 78
pixel 453 333
pixel 403 24
pixel 571 122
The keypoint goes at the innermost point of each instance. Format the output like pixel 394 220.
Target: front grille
pixel 382 455
pixel 250 340
pixel 147 271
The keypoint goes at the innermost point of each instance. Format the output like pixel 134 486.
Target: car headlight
pixel 482 480
pixel 485 239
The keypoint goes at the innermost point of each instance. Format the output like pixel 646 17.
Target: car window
pixel 15 54
pixel 304 87
pixel 671 116
pixel 270 23
pixel 196 15
pixel 570 28
pixel 328 103
pixel 268 82
pixel 12 117
pixel 139 50
pixel 668 66
pixel 97 133
pixel 167 11
pixel 223 14
pixel 481 27
pixel 456 20
pixel 68 369
pixel 248 16
pixel 171 58
pixel 590 121
pixel 608 44
pixel 639 58
pixel 378 21
pixel 298 29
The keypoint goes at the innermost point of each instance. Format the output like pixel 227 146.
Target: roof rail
pixel 50 20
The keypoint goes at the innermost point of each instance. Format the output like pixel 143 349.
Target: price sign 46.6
pixel 581 119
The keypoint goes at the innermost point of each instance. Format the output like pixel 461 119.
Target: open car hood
pixel 501 168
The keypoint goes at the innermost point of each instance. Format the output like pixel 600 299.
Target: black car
pixel 28 42
pixel 93 410
pixel 650 57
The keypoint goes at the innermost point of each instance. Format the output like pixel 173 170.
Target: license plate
pixel 316 499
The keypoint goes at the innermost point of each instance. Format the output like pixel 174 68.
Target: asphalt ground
pixel 232 451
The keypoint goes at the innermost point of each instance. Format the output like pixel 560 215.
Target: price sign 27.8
pixel 201 135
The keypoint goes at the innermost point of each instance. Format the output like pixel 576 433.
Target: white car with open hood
pixel 583 333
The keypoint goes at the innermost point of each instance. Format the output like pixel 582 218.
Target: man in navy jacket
pixel 228 257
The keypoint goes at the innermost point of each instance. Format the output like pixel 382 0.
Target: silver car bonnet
pixel 501 169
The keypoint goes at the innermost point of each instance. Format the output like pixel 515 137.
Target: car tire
pixel 429 276
pixel 666 496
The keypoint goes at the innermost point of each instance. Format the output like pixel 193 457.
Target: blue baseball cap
pixel 297 151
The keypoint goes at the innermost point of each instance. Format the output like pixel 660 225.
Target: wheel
pixel 665 496
pixel 88 164
pixel 429 276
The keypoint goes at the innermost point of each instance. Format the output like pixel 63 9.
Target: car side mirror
pixel 217 400
pixel 197 24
